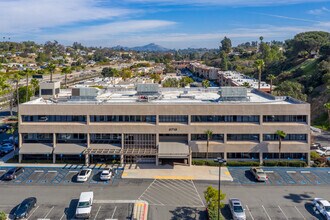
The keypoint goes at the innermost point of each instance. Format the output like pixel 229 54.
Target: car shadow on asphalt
pixel 297 198
pixel 96 177
pixel 250 176
pixel 70 211
pixel 188 213
pixel 225 212
pixel 310 208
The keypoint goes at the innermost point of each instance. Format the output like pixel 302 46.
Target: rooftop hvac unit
pixel 147 89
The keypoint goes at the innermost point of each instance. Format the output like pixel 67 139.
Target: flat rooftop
pixel 164 96
pixel 240 79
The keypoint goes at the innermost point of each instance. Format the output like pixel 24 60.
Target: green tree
pixel 3 215
pixel 66 70
pixel 51 69
pixel 206 83
pixel 209 134
pixel 156 77
pixel 224 61
pixel 281 135
pixel 271 78
pixel 261 38
pixel 27 72
pixel 226 45
pixel 292 89
pixel 246 84
pixel 259 64
pixel 126 74
pixel 4 85
pixel 211 196
pixel 171 82
pixel 109 72
pixel 325 49
pixel 13 131
pixel 16 77
pixel 185 81
pixel 327 107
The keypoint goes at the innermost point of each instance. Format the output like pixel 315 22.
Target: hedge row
pixel 293 163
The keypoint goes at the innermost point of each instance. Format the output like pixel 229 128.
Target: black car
pixel 13 173
pixel 23 209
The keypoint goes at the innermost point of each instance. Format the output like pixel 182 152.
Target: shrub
pixel 3 215
pixel 314 155
pixel 205 163
pixel 320 161
pixel 293 163
pixel 242 163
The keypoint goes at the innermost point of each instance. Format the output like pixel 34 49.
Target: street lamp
pixel 220 161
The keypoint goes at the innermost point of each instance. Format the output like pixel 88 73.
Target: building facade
pixel 162 126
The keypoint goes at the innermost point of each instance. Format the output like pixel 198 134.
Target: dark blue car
pixel 23 209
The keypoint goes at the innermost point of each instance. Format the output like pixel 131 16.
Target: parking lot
pixel 58 212
pixel 283 176
pixel 65 175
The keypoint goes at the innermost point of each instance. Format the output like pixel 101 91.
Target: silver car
pixel 236 209
pixel 259 173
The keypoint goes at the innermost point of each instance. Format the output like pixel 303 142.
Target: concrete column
pixel 261 159
pixel 225 155
pixel 224 138
pixel 260 119
pixel 86 159
pixel 157 119
pixel 54 145
pixel 308 159
pixel 20 157
pixel 121 159
pixel 20 140
pixel 88 119
pixel 189 119
pixel 88 140
pixel 157 160
pixel 122 148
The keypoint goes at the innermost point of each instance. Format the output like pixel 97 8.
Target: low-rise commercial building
pixel 160 125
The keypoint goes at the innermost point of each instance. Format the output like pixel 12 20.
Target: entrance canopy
pixel 103 149
pixel 173 150
pixel 69 149
pixel 36 148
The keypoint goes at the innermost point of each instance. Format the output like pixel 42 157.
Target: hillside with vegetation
pixel 298 67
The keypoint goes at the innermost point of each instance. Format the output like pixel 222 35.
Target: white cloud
pixel 227 2
pixel 319 11
pixel 26 16
pixel 111 30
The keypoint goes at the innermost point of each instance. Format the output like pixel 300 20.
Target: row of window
pixel 252 156
pixel 166 118
pixel 134 138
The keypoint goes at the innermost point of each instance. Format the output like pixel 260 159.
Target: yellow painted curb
pixel 174 177
pixel 227 173
pixel 124 174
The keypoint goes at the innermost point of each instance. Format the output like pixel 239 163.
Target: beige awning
pixel 173 150
pixel 36 148
pixel 69 148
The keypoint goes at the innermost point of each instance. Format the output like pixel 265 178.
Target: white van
pixel 84 207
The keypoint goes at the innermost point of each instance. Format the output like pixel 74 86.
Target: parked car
pixel 83 175
pixel 106 174
pixel 23 209
pixel 323 151
pixel 315 146
pixel 259 174
pixel 236 209
pixel 323 206
pixel 84 207
pixel 13 173
pixel 6 148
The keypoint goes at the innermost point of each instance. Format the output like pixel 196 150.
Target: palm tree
pixel 271 78
pixel 259 64
pixel 209 134
pixel 35 84
pixel 261 38
pixel 16 78
pixel 281 135
pixel 327 106
pixel 66 70
pixel 51 69
pixel 27 72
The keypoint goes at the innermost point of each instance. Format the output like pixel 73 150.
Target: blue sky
pixel 170 23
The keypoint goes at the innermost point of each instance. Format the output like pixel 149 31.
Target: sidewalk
pixel 145 171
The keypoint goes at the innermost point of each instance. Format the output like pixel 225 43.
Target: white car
pixel 106 174
pixel 236 209
pixel 84 207
pixel 83 175
pixel 323 151
pixel 323 206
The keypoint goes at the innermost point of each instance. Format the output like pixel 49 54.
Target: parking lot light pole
pixel 220 161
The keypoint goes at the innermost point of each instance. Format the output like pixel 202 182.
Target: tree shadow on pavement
pixel 188 213
pixel 297 198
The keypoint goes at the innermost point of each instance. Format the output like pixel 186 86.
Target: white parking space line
pixel 283 213
pixel 300 212
pixel 52 171
pixel 49 212
pixel 290 171
pixel 39 171
pixel 198 193
pixel 152 200
pixel 32 212
pixel 249 212
pixel 147 188
pixel 114 212
pixel 97 212
pixel 266 212
pixel 72 171
pixel 62 216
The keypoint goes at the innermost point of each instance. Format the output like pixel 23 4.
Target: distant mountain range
pixel 147 48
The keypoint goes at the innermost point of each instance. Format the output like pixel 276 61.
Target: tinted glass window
pixel 225 118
